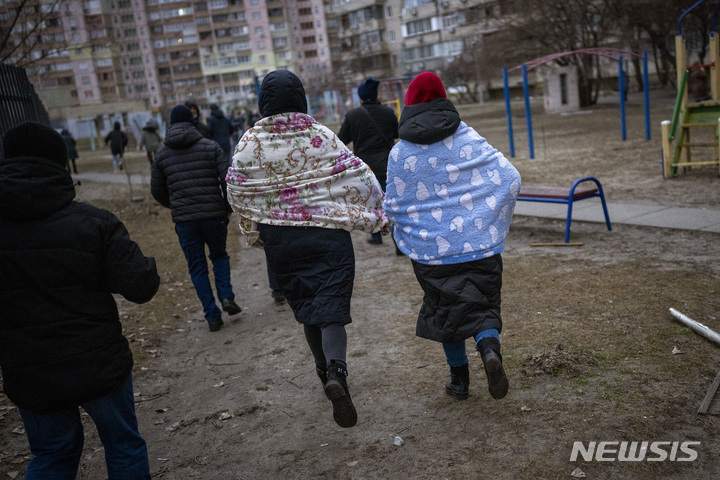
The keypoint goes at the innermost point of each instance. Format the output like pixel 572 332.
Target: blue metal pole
pixel 646 96
pixel 621 86
pixel 508 114
pixel 528 114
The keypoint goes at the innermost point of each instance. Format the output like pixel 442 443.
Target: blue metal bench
pixel 568 196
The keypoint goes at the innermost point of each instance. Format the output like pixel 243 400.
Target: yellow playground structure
pixel 701 116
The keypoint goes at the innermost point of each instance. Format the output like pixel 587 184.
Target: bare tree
pixel 30 30
pixel 535 29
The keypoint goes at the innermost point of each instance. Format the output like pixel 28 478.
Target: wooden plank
pixel 540 191
pixel 558 244
pixel 709 396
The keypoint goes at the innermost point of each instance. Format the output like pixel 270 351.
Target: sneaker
pixel 336 390
pixel 231 307
pixel 278 296
pixel 215 326
pixel 374 241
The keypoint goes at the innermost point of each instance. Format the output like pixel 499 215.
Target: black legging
pixel 327 343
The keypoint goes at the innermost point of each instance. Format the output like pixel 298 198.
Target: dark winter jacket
pixel 70 143
pixel 117 140
pixel 318 281
pixel 197 119
pixel 370 142
pixel 428 122
pixel 150 138
pixel 220 128
pixel 188 175
pixel 61 341
pixel 461 299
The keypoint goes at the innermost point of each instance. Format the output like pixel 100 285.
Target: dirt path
pixel 587 341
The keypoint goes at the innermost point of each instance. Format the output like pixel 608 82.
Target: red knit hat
pixel 425 87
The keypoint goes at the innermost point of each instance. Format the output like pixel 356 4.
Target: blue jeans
pixel 455 352
pixel 193 237
pixel 117 160
pixel 56 439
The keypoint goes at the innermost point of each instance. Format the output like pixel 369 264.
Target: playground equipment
pixel 698 117
pixel 612 53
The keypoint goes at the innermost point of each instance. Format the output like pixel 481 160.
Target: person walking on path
pixel 197 119
pixel 372 129
pixel 188 177
pixel 150 139
pixel 289 182
pixel 71 145
pixel 220 129
pixel 450 196
pixel 118 141
pixel 61 341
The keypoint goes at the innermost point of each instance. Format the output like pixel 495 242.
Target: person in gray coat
pixel 188 177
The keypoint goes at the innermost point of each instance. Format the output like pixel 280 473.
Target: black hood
pixel 32 187
pixel 182 135
pixel 281 92
pixel 428 122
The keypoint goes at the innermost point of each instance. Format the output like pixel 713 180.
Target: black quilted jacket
pixel 370 143
pixel 61 341
pixel 188 175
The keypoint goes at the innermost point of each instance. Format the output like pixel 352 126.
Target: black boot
pixel 459 382
pixel 498 384
pixel 323 376
pixel 337 391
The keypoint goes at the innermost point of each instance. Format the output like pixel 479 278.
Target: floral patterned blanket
pixel 290 170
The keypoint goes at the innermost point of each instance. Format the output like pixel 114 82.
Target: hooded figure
pixel 61 341
pixel 150 139
pixel 220 128
pixel 450 196
pixel 118 141
pixel 289 182
pixel 71 149
pixel 197 120
pixel 372 129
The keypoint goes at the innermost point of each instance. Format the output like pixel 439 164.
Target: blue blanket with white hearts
pixel 451 201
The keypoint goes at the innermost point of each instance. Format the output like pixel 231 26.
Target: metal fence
pixel 18 100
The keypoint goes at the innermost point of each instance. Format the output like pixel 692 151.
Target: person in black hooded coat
pixel 61 341
pixel 313 266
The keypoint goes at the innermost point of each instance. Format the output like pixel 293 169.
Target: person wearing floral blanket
pixel 450 196
pixel 299 191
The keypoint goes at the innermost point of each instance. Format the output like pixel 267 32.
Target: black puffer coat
pixel 61 341
pixel 371 143
pixel 461 299
pixel 188 175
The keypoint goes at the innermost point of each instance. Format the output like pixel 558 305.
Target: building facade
pixel 105 57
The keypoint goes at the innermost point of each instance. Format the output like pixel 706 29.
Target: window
pixel 304 11
pixel 306 26
pixel 308 40
pixel 418 26
pixel 311 54
pixel 256 15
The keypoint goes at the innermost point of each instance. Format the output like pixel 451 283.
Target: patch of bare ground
pixel 587 342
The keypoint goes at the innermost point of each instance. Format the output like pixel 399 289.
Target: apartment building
pixel 401 38
pixel 100 57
